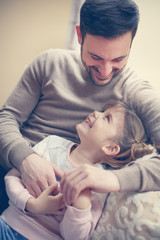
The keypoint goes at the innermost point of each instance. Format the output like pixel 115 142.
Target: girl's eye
pixel 107 117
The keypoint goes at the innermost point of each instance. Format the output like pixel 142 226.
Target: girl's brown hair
pixel 132 140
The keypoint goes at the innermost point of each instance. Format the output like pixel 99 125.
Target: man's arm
pixel 140 96
pixel 14 148
pixel 142 175
pixel 15 112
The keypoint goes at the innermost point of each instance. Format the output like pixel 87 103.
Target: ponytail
pixel 137 150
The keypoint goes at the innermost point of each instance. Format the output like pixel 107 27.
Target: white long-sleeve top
pixel 75 224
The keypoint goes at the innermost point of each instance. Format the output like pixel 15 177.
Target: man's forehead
pixel 108 48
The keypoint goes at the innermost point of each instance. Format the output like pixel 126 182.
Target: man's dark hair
pixel 108 18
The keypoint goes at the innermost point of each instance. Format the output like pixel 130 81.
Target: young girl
pixel 109 138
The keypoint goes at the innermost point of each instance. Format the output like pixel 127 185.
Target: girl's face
pixel 101 128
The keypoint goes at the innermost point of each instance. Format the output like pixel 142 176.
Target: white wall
pixel 28 27
pixel 145 53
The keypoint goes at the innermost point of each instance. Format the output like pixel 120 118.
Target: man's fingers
pixel 31 191
pixel 49 180
pixel 74 188
pixel 67 177
pixel 36 189
pixel 71 185
pixel 58 172
pixel 43 183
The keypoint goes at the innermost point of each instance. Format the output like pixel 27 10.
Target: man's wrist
pixel 19 153
pixel 115 182
pixel 23 161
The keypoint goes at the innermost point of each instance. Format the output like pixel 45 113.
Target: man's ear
pixel 111 150
pixel 79 35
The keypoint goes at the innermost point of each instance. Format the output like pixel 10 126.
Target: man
pixel 61 87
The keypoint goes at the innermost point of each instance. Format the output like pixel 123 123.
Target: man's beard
pixel 89 71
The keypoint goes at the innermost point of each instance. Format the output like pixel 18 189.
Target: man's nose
pixel 105 69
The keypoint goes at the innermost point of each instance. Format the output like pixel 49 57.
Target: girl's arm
pixel 15 189
pixel 47 203
pixel 84 200
pixel 81 218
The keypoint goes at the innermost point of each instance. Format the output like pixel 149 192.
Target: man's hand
pixel 87 176
pixel 37 174
pixel 47 202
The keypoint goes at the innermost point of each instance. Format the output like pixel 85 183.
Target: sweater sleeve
pixel 80 224
pixel 145 101
pixel 15 189
pixel 17 109
pixel 141 175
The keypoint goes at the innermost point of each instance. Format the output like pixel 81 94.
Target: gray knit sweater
pixel 55 93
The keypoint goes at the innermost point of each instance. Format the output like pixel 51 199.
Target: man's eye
pixel 95 58
pixel 118 60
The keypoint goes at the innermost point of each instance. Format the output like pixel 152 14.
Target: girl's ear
pixel 111 150
pixel 79 34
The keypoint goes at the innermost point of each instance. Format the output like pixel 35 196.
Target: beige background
pixel 145 52
pixel 28 27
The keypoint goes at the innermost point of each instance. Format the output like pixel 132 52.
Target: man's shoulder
pixel 60 53
pixel 131 80
pixel 128 74
pixel 56 59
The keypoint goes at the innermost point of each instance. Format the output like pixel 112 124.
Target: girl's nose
pixel 96 114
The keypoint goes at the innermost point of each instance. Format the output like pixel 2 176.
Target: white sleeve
pixel 41 148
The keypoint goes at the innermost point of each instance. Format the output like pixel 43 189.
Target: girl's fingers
pixel 50 189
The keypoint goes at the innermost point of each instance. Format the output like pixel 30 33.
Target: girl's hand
pixel 47 202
